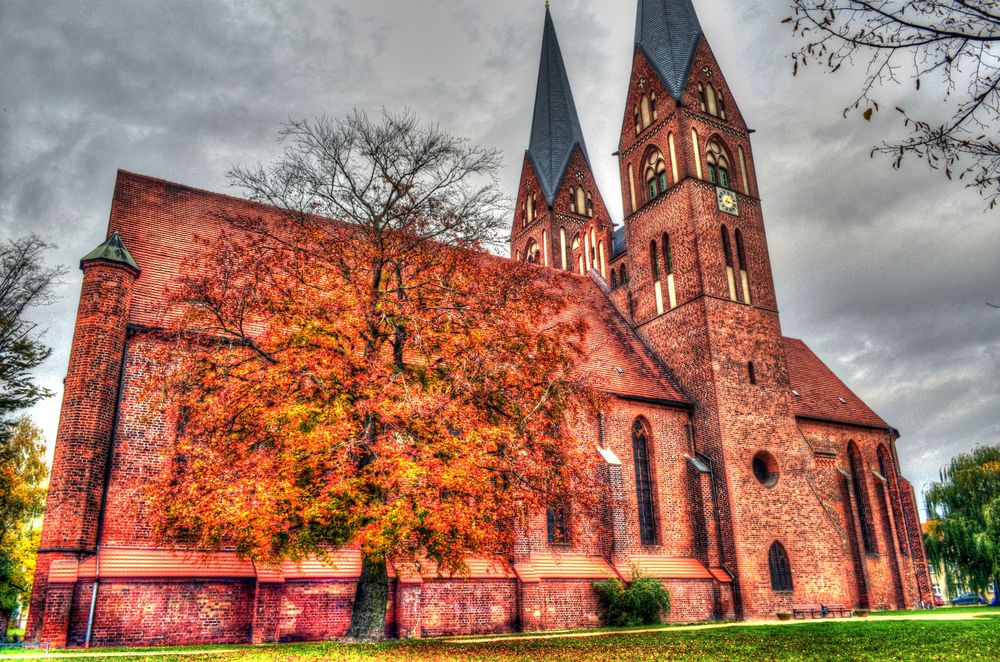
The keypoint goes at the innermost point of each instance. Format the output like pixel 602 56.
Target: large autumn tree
pixel 350 367
pixel 948 48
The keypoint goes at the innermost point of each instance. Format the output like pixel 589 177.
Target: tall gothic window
pixel 861 498
pixel 730 271
pixel 781 569
pixel 718 165
pixel 645 113
pixel 643 482
pixel 744 269
pixel 655 174
pixel 668 267
pixel 557 519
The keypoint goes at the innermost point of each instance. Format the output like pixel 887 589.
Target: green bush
pixel 642 602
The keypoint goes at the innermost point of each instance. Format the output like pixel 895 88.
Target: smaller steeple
pixel 667 32
pixel 113 250
pixel 555 129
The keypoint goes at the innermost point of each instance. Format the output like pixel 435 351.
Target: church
pixel 739 470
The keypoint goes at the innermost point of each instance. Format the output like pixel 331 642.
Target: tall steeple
pixel 555 129
pixel 667 32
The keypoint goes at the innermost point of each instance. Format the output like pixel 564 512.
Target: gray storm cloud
pixel 885 274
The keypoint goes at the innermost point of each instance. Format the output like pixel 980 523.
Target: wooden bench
pixel 843 611
pixel 802 612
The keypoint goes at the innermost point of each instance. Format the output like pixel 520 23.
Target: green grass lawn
pixel 868 639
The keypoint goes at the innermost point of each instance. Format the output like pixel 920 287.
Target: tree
pixel 963 508
pixel 24 284
pixel 22 501
pixel 352 368
pixel 952 41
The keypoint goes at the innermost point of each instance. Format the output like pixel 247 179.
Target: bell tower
pixel 702 295
pixel 560 220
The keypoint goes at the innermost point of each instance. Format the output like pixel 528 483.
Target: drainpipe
pixel 104 497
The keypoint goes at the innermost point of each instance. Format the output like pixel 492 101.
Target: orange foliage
pixel 414 399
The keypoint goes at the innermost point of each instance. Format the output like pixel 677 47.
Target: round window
pixel 765 469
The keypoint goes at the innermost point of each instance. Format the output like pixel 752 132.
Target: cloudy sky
pixel 885 274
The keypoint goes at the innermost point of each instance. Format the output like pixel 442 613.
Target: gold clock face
pixel 727 201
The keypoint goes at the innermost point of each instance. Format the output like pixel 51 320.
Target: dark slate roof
pixel 667 31
pixel 112 250
pixel 555 129
pixel 618 242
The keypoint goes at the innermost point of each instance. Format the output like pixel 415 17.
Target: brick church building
pixel 740 471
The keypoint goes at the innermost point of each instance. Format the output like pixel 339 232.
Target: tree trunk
pixel 370 602
pixel 4 624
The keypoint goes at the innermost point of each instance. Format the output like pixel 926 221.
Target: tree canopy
pixel 350 368
pixel 22 501
pixel 963 507
pixel 949 47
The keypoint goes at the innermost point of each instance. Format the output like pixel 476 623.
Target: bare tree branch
pixel 955 43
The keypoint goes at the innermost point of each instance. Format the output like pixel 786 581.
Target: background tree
pixel 962 508
pixel 352 368
pixel 953 42
pixel 25 283
pixel 22 501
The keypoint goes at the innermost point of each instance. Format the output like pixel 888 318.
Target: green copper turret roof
pixel 667 32
pixel 555 128
pixel 112 250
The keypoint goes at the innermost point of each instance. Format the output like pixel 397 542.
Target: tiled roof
pixel 555 128
pixel 664 567
pixel 164 223
pixel 821 394
pixel 667 32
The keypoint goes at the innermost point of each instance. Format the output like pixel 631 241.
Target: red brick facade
pixel 696 362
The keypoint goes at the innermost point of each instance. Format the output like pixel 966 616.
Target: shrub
pixel 784 616
pixel 642 602
pixel 861 613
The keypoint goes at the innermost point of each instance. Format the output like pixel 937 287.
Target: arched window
pixel 668 265
pixel 781 569
pixel 603 259
pixel 702 99
pixel 647 112
pixel 581 202
pixel 614 279
pixel 861 498
pixel 744 273
pixel 572 199
pixel 545 248
pixel 558 524
pixel 721 102
pixel 711 100
pixel 653 262
pixel 718 165
pixel 655 174
pixel 533 254
pixel 530 202
pixel 728 255
pixel 590 204
pixel 643 482
pixel 624 276
pixel 562 248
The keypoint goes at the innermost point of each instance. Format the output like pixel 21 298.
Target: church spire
pixel 555 129
pixel 667 32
